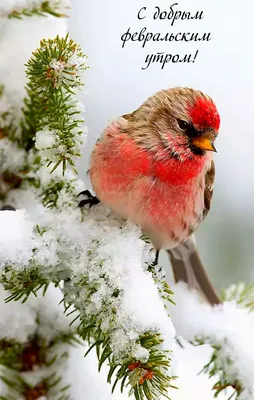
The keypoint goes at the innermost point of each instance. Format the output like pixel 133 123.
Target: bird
pixel 155 167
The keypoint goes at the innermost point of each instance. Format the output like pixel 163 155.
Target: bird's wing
pixel 208 194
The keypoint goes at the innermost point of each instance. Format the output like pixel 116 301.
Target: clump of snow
pixel 57 65
pixel 228 326
pixel 78 62
pixel 11 156
pixel 45 139
pixel 49 145
pixel 18 321
pixel 52 144
pixel 69 70
pixel 41 315
pixel 16 238
pixel 46 177
pixel 52 321
pixel 26 199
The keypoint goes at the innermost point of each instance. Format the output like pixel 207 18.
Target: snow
pixel 25 199
pixel 109 254
pixel 51 144
pixel 66 241
pixel 29 198
pixel 44 139
pixel 87 380
pixel 192 384
pixel 18 321
pixel 188 363
pixel 74 62
pixel 229 326
pixel 40 316
pixel 52 320
pixel 80 245
pixel 14 163
pixel 143 302
pixel 16 238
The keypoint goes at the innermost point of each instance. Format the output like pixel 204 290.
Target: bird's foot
pixel 155 262
pixel 91 200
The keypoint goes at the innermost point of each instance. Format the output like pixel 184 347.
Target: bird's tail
pixel 187 267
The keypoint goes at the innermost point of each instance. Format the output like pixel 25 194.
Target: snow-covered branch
pixel 18 9
pixel 35 339
pixel 105 262
pixel 228 328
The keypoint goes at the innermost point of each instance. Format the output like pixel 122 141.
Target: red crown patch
pixel 204 114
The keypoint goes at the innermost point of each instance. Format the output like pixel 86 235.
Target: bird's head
pixel 184 121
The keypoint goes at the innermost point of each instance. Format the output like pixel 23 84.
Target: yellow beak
pixel 204 143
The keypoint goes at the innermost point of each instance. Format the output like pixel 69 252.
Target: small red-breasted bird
pixel 155 167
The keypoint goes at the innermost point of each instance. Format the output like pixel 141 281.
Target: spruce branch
pixel 53 120
pixel 99 280
pixel 222 363
pixel 44 8
pixel 213 368
pixel 16 385
pixel 25 282
pixel 241 293
pixel 146 379
pixel 32 363
pixel 142 365
pixel 60 191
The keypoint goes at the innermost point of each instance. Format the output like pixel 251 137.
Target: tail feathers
pixel 187 267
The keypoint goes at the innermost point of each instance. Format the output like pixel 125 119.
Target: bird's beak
pixel 204 143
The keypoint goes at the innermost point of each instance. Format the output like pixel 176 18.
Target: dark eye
pixel 182 124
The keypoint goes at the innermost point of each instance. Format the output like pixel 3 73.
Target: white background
pixel 224 69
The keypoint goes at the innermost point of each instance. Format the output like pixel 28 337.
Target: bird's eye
pixel 182 124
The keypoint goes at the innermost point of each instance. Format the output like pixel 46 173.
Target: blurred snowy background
pixel 116 84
